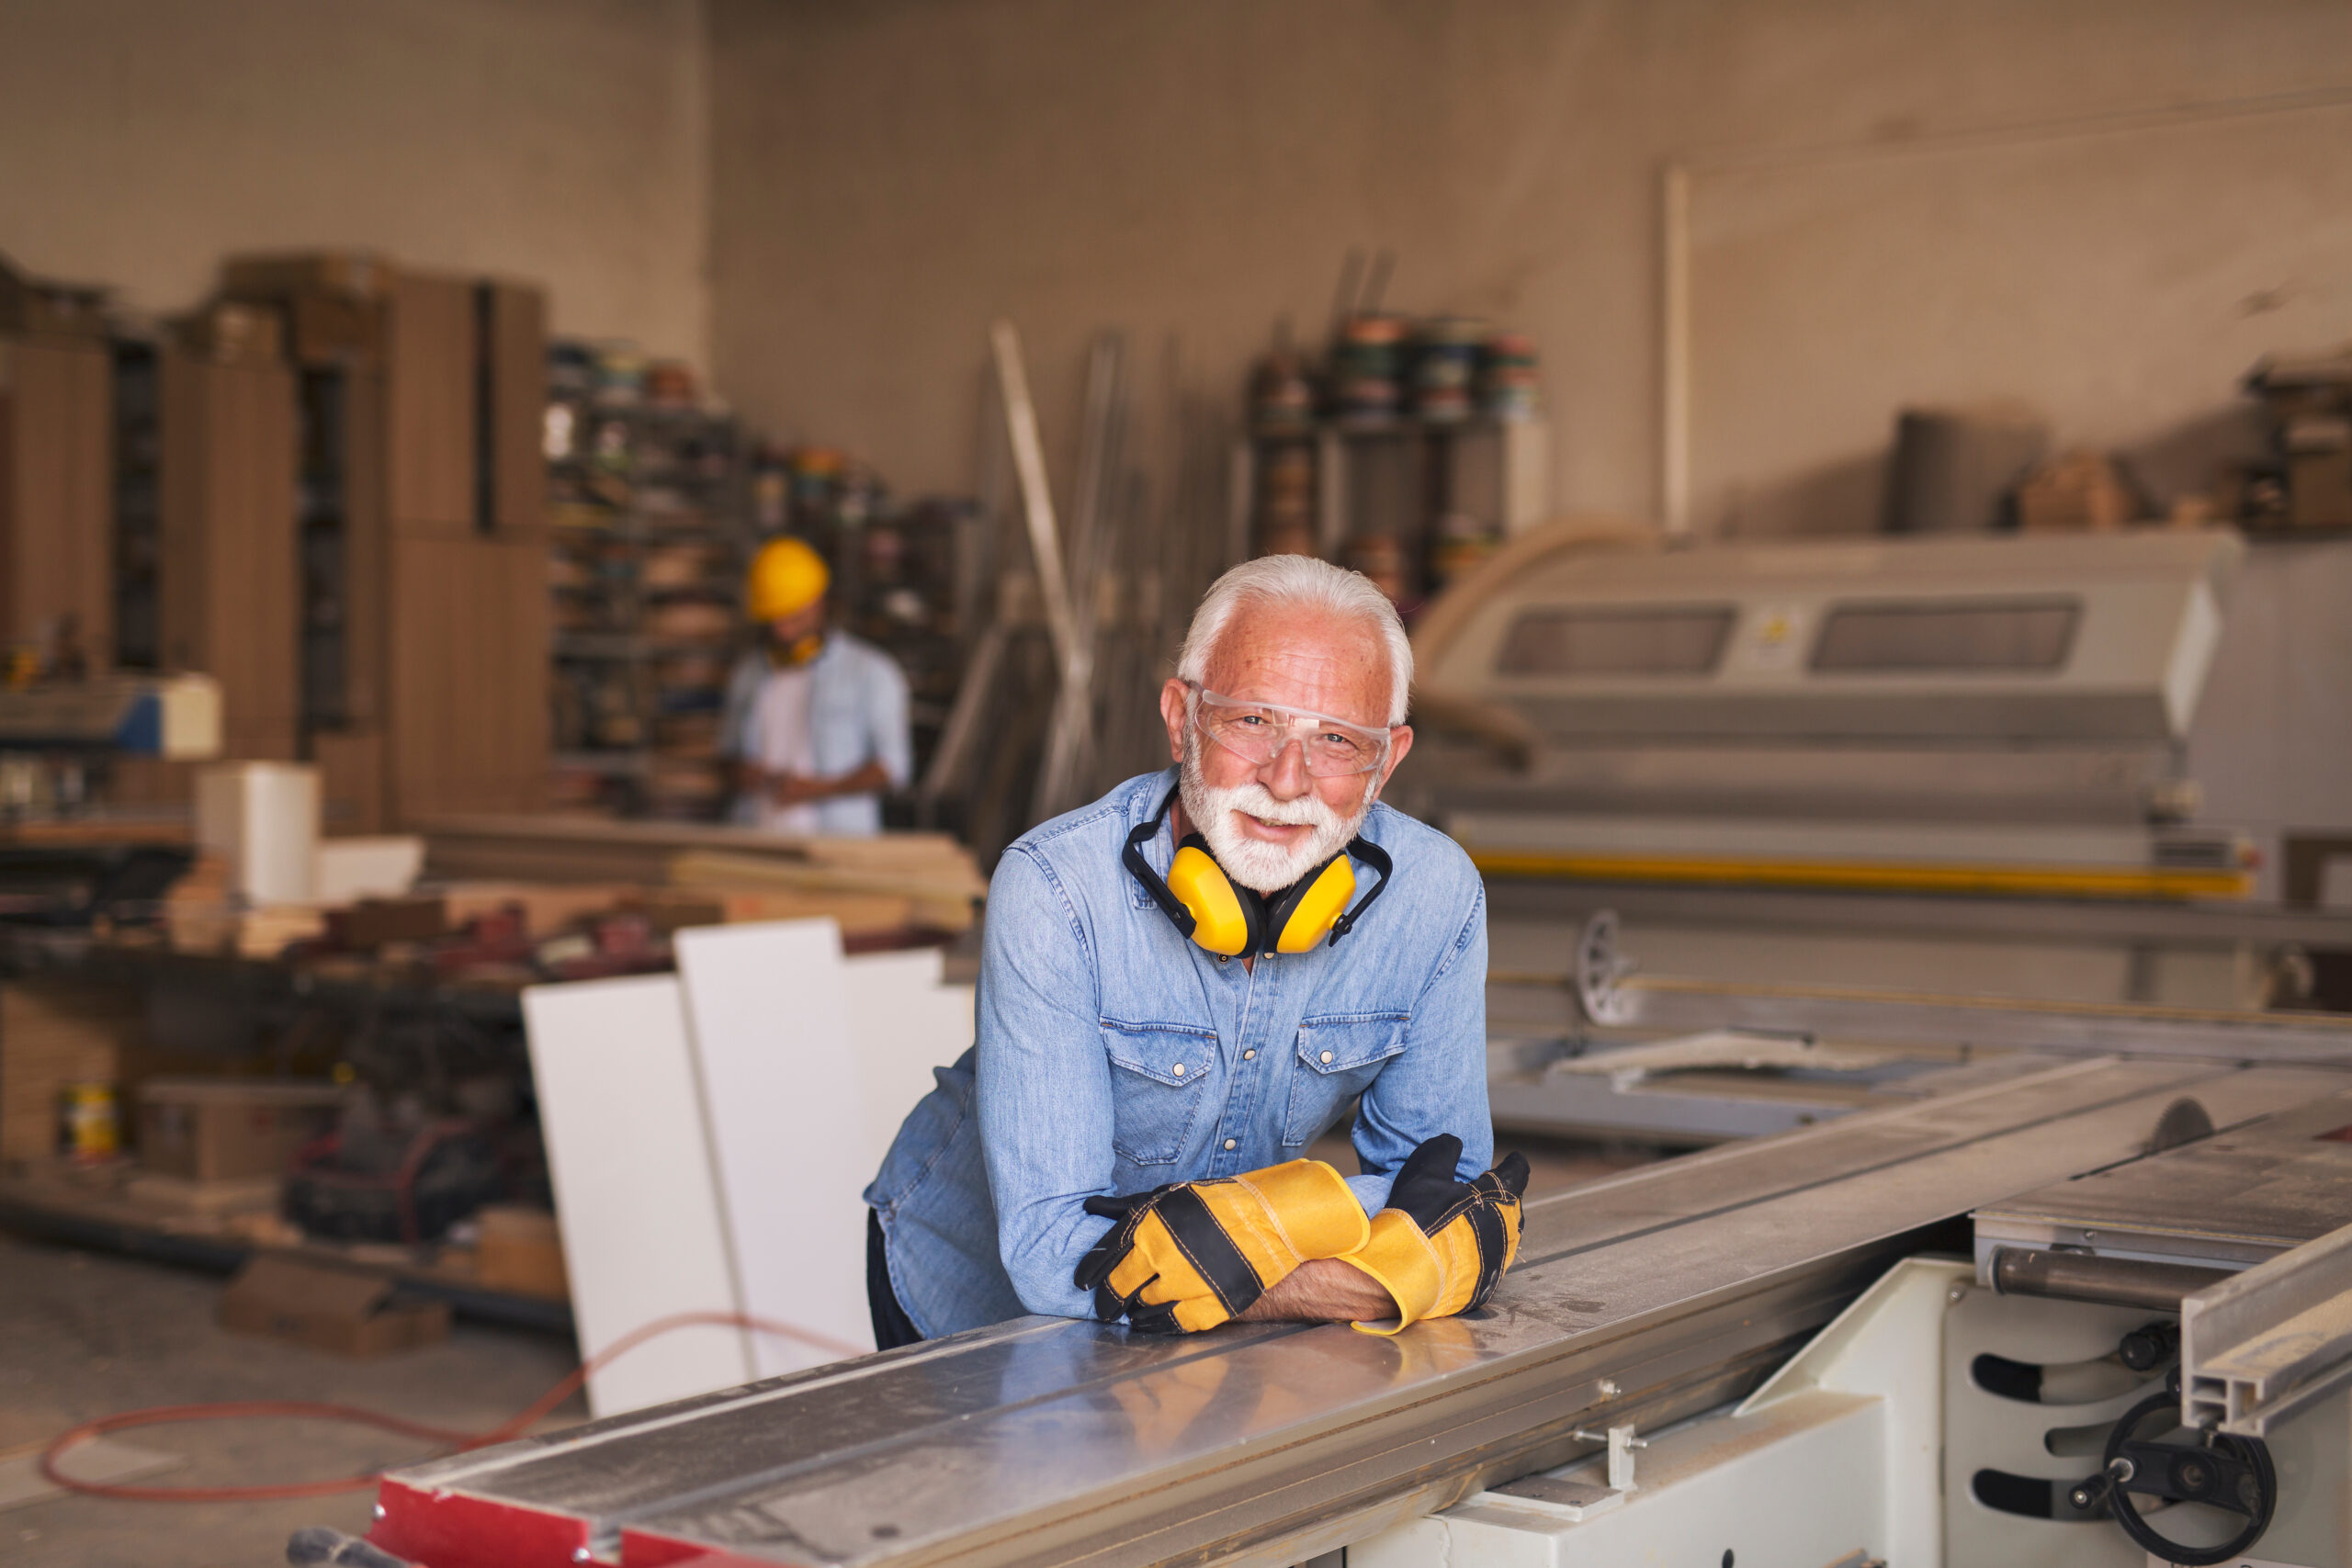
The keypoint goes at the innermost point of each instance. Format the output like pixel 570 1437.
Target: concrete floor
pixel 84 1334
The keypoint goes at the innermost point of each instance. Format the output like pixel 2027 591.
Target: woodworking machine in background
pixel 1968 764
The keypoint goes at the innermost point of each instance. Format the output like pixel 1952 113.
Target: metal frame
pixel 1609 993
pixel 2262 1345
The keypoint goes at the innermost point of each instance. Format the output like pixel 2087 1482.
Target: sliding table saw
pixel 1792 1349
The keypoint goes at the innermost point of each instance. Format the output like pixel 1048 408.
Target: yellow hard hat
pixel 786 577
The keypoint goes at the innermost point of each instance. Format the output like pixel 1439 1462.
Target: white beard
pixel 1253 863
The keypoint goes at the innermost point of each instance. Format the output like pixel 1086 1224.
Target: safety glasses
pixel 1260 732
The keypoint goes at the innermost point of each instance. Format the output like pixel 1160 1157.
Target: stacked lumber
pixel 868 884
pixel 201 915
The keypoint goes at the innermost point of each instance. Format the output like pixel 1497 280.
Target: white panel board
pixel 905 1021
pixel 633 1190
pixel 768 1005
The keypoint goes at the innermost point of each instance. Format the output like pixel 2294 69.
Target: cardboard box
pixel 372 923
pixel 220 1129
pixel 351 779
pixel 42 305
pixel 2319 490
pixel 519 1249
pixel 328 1308
pixel 228 332
pixel 355 275
pixel 334 331
pixel 2079 493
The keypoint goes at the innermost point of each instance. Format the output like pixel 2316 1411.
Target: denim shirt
pixel 857 714
pixel 1113 1055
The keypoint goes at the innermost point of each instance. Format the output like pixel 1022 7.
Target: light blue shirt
pixel 1113 1055
pixel 857 714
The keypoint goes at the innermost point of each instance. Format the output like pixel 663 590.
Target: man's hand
pixel 1193 1255
pixel 1322 1290
pixel 796 789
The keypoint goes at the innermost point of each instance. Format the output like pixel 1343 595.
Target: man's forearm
pixel 867 778
pixel 1322 1290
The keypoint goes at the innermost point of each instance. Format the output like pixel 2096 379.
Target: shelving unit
pixel 138 503
pixel 649 540
pixel 1387 492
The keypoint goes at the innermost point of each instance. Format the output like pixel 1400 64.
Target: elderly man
pixel 1184 984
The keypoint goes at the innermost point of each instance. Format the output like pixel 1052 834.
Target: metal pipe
pixel 2087 1277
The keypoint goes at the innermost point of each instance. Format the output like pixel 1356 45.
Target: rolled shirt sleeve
pixel 1044 1085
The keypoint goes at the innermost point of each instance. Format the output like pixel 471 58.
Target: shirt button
pixel 1249 1056
pixel 1179 1067
pixel 1327 1057
pixel 1229 1143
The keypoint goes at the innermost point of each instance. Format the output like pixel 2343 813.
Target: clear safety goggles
pixel 1258 733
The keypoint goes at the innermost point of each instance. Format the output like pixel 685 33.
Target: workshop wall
pixel 559 140
pixel 1203 168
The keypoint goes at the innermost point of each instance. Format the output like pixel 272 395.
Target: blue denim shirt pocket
pixel 1339 1055
pixel 1156 1089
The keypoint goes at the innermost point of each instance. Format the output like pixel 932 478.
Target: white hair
pixel 1310 584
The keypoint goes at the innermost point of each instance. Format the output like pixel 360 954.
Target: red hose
pixel 459 1441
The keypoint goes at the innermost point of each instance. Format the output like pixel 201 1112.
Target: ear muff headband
pixel 1225 918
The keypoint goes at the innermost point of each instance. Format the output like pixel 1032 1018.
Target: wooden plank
pixel 633 1191
pixel 56 494
pixel 519 394
pixel 648 851
pixel 768 1009
pixel 429 388
pixel 366 555
pixel 468 722
pixel 351 780
pixel 231 576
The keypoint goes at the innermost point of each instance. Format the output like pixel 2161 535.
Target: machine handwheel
pixel 2234 1475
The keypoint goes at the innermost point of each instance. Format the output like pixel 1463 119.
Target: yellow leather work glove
pixel 1442 1246
pixel 1195 1254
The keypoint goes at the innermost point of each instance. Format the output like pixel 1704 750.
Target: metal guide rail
pixel 1652 1295
pixel 1610 994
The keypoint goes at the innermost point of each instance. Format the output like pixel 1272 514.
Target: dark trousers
pixel 892 1327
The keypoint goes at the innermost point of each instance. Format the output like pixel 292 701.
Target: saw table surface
pixel 1644 1297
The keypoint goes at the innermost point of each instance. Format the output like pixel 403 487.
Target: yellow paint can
pixel 88 1129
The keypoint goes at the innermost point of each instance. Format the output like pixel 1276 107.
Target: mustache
pixel 1307 811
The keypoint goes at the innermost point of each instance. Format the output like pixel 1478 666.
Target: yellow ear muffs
pixel 1221 915
pixel 1302 913
pixel 1203 903
pixel 792 655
